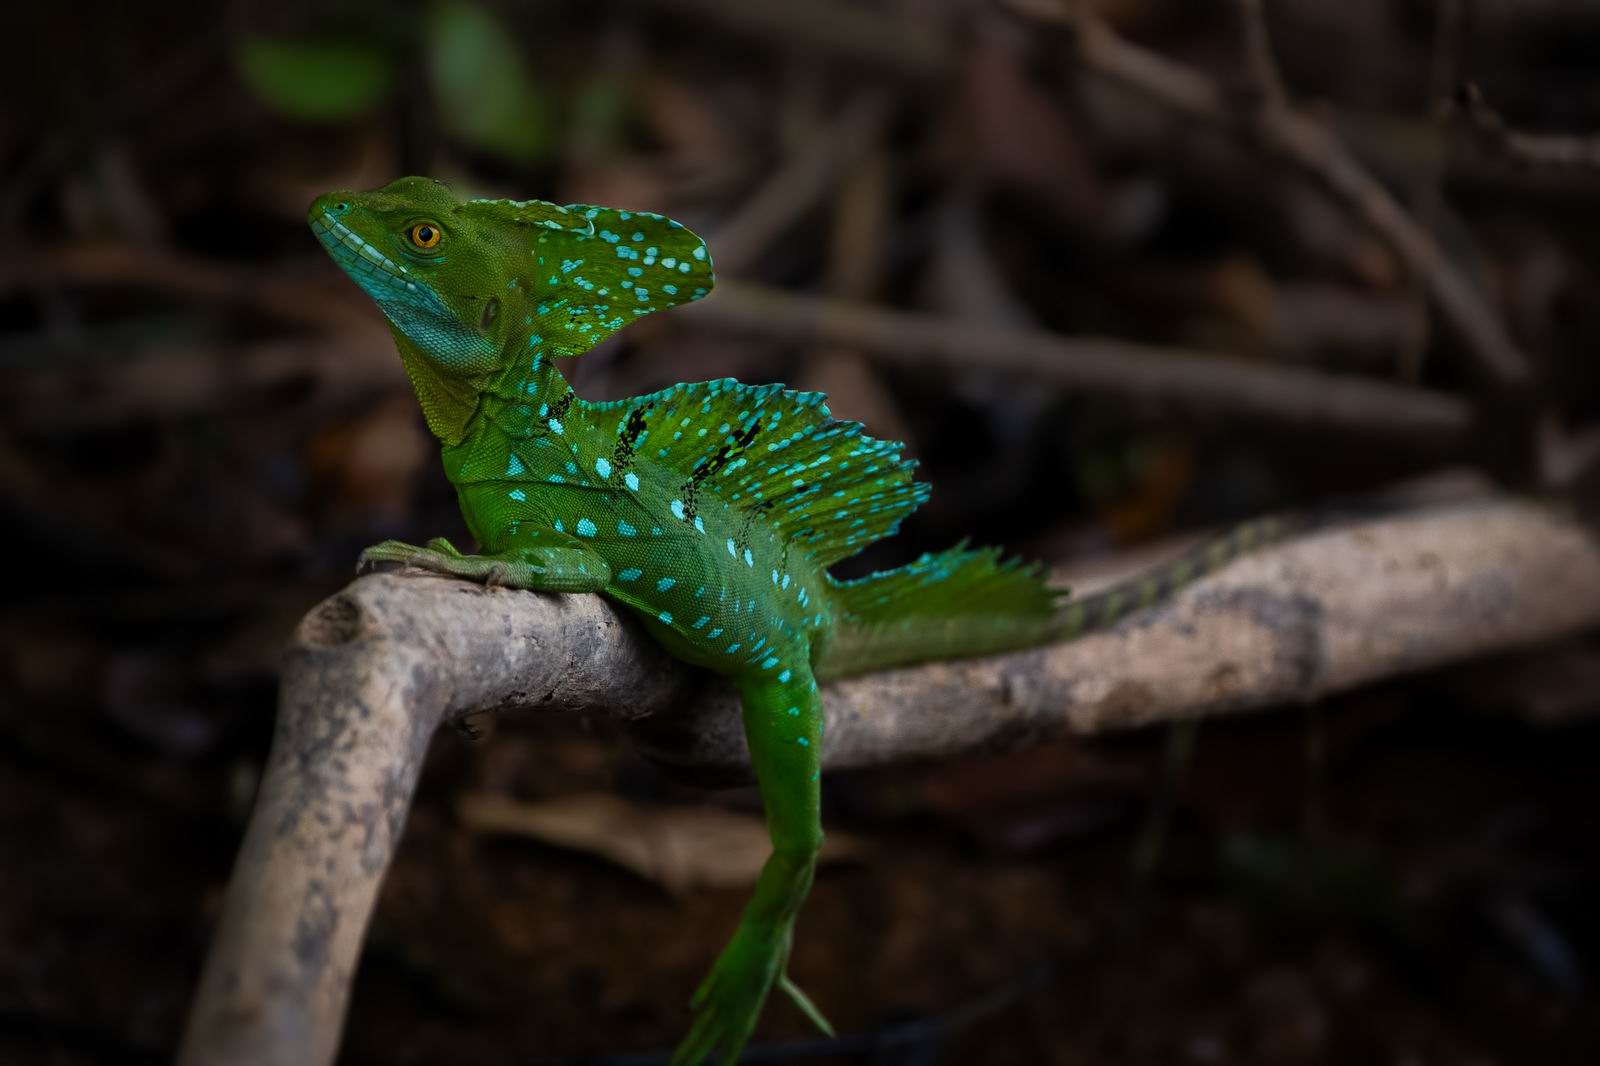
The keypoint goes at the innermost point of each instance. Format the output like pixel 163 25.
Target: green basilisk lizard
pixel 712 510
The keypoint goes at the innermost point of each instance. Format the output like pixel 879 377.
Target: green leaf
pixel 315 80
pixel 485 94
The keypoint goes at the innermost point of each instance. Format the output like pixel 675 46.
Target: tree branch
pixel 374 669
pixel 1226 382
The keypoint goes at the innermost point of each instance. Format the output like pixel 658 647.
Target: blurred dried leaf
pixel 679 848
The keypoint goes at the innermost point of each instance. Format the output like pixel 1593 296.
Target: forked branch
pixel 372 672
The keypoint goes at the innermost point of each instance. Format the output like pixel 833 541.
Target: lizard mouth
pixel 379 276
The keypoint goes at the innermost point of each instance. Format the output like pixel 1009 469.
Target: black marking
pixel 622 455
pixel 725 454
pixel 558 410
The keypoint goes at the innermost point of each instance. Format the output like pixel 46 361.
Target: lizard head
pixel 433 272
pixel 476 287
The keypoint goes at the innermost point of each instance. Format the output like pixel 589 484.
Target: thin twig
pixel 1554 151
pixel 372 671
pixel 1100 364
pixel 1427 195
pixel 1261 66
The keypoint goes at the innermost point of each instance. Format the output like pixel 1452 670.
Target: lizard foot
pixel 729 1001
pixel 441 557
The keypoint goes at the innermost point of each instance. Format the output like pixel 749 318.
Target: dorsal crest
pixel 779 455
pixel 596 269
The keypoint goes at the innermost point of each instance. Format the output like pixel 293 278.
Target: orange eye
pixel 425 235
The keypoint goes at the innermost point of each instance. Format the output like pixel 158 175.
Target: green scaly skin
pixel 710 510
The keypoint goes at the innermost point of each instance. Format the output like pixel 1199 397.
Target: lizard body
pixel 711 510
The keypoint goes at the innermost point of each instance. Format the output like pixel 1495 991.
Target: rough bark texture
pixel 373 670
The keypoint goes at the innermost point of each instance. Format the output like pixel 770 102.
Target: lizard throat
pixel 412 306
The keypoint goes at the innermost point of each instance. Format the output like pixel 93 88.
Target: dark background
pixel 202 422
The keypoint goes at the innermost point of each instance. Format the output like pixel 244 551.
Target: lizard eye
pixel 425 235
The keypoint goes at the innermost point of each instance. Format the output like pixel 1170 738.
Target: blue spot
pixel 513 466
pixel 769 663
pixel 559 527
pixel 602 467
pixel 783 678
pixel 676 506
pixel 702 620
pixel 665 583
pixel 802 741
pixel 586 528
pixel 671 290
pixel 665 617
pixel 749 560
pixel 518 495
pixel 634 272
pixel 625 529
pixel 714 634
pixel 630 574
pixel 555 425
pixel 795 711
pixel 631 480
pixel 699 253
pixel 698 524
pixel 638 236
pixel 732 648
pixel 731 549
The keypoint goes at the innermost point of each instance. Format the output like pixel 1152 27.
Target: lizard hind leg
pixel 783 726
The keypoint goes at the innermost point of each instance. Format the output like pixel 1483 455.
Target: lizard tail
pixel 963 603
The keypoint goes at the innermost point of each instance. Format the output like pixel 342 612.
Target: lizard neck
pixel 528 400
pixel 526 381
pixel 529 375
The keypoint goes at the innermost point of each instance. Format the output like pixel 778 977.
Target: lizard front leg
pixel 783 726
pixel 522 564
